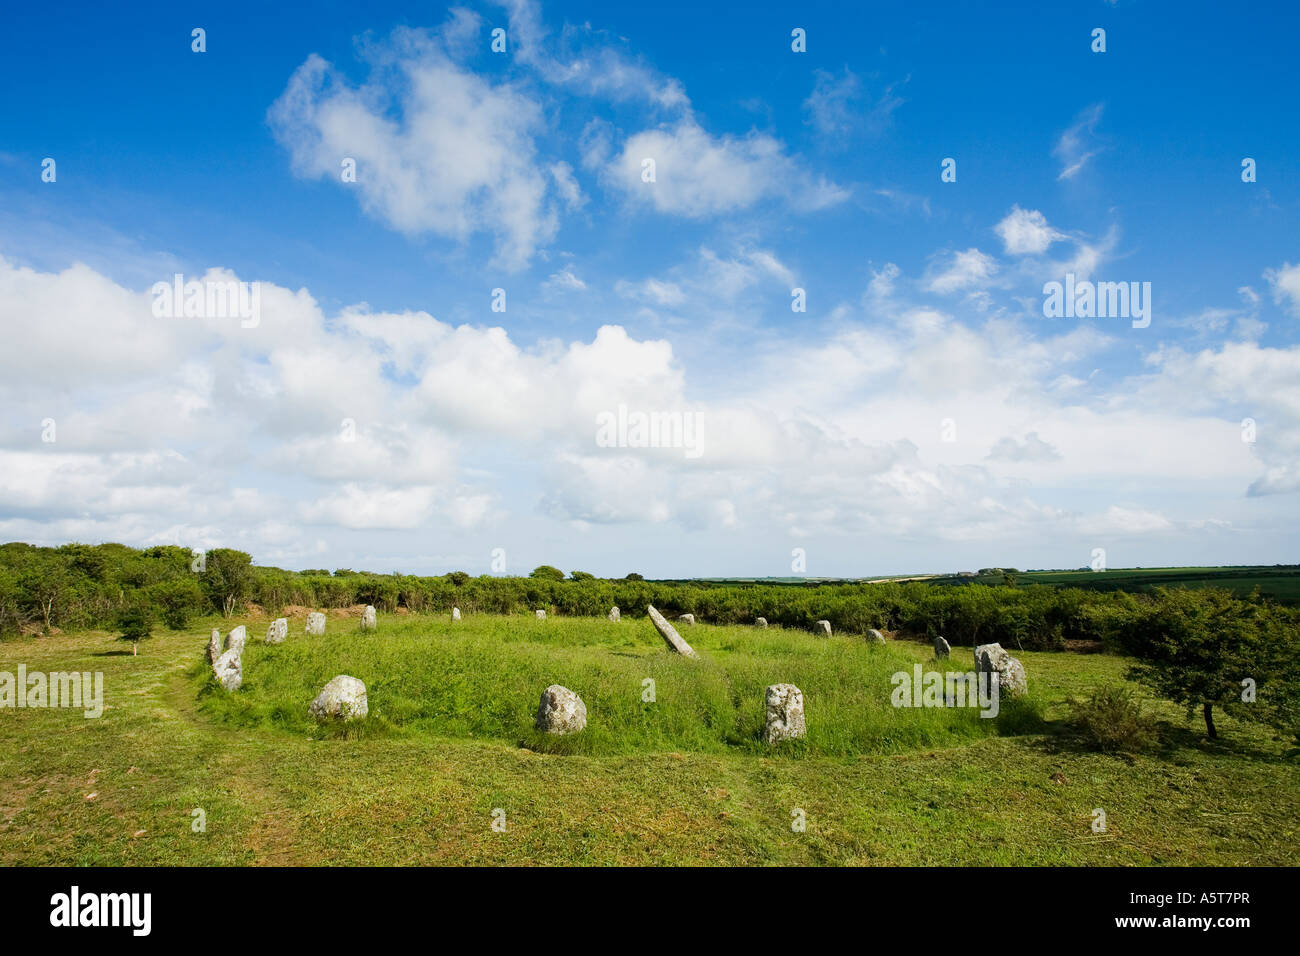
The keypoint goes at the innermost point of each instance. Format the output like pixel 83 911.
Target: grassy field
pixel 682 780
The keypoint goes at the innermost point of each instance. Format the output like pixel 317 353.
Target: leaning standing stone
pixel 825 628
pixel 229 670
pixel 368 620
pixel 760 622
pixel 455 614
pixel 614 615
pixel 343 698
pixel 561 711
pixel 875 637
pixel 315 623
pixel 785 720
pixel 236 639
pixel 941 648
pixel 669 633
pixel 688 618
pixel 541 615
pixel 278 631
pixel 214 646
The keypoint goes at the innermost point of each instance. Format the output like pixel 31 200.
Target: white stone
pixel 369 622
pixel 688 618
pixel 455 614
pixel 541 615
pixel 561 711
pixel 1012 681
pixel 614 615
pixel 669 633
pixel 875 637
pixel 214 646
pixel 785 719
pixel 760 622
pixel 825 628
pixel 278 631
pixel 343 698
pixel 315 623
pixel 941 648
pixel 236 640
pixel 229 670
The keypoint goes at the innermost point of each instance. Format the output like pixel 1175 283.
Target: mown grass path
pixel 275 795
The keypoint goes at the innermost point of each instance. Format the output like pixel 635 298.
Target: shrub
pixel 1113 721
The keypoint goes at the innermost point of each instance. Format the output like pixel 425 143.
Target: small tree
pixel 1207 648
pixel 227 578
pixel 135 624
pixel 634 577
pixel 581 576
pixel 547 573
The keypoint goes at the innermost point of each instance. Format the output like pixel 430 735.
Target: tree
pixel 1208 648
pixel 547 573
pixel 44 582
pixel 136 624
pixel 634 577
pixel 581 576
pixel 458 578
pixel 227 578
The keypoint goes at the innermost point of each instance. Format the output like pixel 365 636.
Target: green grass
pixel 683 780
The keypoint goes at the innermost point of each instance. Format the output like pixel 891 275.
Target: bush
pixel 135 624
pixel 1113 721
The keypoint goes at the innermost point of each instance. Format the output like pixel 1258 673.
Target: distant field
pixel 681 780
pixel 1280 583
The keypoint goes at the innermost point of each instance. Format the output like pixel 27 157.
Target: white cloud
pixel 1077 145
pixel 839 107
pixel 699 175
pixel 963 270
pixel 1285 282
pixel 438 149
pixel 1025 232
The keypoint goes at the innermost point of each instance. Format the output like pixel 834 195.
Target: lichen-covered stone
pixel 236 640
pixel 785 717
pixel 229 670
pixel 669 633
pixel 760 622
pixel 875 637
pixel 824 628
pixel 561 711
pixel 369 620
pixel 315 623
pixel 541 615
pixel 214 646
pixel 343 698
pixel 687 618
pixel 278 631
pixel 455 614
pixel 1012 681
pixel 941 648
pixel 614 615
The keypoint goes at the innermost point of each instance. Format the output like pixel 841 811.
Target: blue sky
pixel 819 170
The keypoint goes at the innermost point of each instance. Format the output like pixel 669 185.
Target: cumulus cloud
pixel 1285 282
pixel 1025 232
pixel 962 271
pixel 438 149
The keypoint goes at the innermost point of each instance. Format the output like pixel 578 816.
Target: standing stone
pixel 992 658
pixel 278 631
pixel 785 720
pixel 229 670
pixel 561 711
pixel 941 648
pixel 236 639
pixel 760 622
pixel 455 614
pixel 875 637
pixel 669 633
pixel 214 646
pixel 315 623
pixel 688 618
pixel 825 628
pixel 541 615
pixel 368 620
pixel 614 615
pixel 343 698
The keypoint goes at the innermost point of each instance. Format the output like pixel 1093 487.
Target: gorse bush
pixel 1113 721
